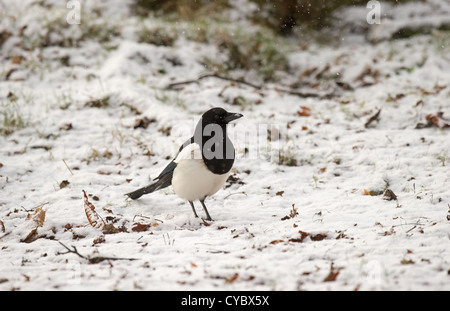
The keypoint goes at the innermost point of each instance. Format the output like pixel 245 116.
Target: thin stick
pixel 67 167
pixel 372 118
pixel 306 94
pixel 73 251
pixel 241 81
pixel 213 75
pixel 92 260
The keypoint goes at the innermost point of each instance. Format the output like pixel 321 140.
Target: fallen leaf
pixel 395 98
pixel 276 242
pixel 143 122
pixel 38 216
pixel 110 229
pixel 94 219
pixel 317 237
pixel 406 261
pixel 389 195
pixel 32 222
pixel 138 227
pixel 434 120
pixel 292 213
pixel 64 184
pixel 295 240
pixel 341 235
pixel 304 111
pixel 31 236
pixel 98 240
pixel 332 275
pixel 232 278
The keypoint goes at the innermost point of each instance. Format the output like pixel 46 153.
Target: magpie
pixel 202 164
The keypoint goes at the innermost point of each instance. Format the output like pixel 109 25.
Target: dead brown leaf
pixel 304 235
pixel 279 193
pixel 38 216
pixel 304 111
pixel 31 236
pixel 318 237
pixel 332 275
pixel 143 122
pixel 232 278
pixel 395 98
pixel 34 220
pixel 93 217
pixel 292 213
pixel 389 195
pixel 64 184
pixel 110 229
pixel 406 261
pixel 138 227
pixel 276 242
pixel 434 120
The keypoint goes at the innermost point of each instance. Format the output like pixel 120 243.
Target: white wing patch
pixel 190 152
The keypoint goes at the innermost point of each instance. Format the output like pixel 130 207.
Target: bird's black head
pixel 211 134
pixel 219 116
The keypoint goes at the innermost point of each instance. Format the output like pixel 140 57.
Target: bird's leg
pixel 206 211
pixel 193 209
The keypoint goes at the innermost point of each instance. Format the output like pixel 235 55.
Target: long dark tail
pixel 163 182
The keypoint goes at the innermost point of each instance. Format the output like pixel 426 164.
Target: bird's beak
pixel 232 116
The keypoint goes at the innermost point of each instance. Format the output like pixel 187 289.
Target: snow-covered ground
pixel 304 210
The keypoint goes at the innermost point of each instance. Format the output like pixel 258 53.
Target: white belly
pixel 193 181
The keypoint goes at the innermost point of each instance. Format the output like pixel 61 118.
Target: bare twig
pixel 411 229
pixel 213 75
pixel 7 233
pixel 258 87
pixel 92 260
pixel 372 118
pixel 73 251
pixel 306 94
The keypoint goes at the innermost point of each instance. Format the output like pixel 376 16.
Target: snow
pixel 263 236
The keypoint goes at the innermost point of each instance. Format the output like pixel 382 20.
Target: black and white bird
pixel 202 164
